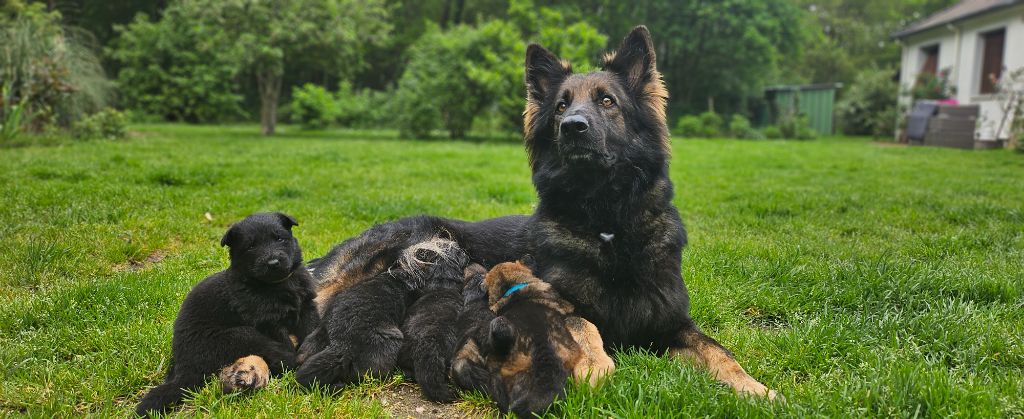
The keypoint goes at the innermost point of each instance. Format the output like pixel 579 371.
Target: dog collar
pixel 515 288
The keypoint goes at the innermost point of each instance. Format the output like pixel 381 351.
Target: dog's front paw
pixel 247 373
pixel 760 390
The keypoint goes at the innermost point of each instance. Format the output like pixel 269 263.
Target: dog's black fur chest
pixel 626 280
pixel 269 306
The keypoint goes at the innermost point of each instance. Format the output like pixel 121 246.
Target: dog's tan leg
pixel 247 373
pixel 595 362
pixel 705 352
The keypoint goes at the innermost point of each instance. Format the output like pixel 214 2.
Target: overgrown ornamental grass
pixel 854 278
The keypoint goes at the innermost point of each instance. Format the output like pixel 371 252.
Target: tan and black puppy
pixel 522 353
pixel 241 323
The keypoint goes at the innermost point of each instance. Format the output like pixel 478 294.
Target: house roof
pixel 963 10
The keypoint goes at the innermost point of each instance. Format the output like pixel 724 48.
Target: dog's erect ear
pixel 635 60
pixel 503 336
pixel 544 71
pixel 286 220
pixel 229 237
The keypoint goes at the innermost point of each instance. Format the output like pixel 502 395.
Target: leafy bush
pixel 51 73
pixel 13 114
pixel 365 108
pixel 796 127
pixel 772 132
pixel 177 70
pixel 739 127
pixel 690 126
pixel 313 106
pixel 932 87
pixel 868 107
pixel 454 76
pixel 804 130
pixel 711 124
pixel 108 124
pixel 705 125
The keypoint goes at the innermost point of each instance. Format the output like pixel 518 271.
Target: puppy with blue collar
pixel 531 344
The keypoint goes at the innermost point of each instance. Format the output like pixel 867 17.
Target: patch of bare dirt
pixel 133 265
pixel 405 401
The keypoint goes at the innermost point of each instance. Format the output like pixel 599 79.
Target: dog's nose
pixel 575 123
pixel 273 263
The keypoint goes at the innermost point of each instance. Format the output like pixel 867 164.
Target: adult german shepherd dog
pixel 605 233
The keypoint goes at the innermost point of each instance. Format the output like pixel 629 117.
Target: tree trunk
pixel 269 82
pixel 445 11
pixel 460 6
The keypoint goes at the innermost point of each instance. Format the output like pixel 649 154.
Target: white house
pixel 971 41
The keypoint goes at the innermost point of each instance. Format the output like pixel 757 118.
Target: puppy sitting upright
pixel 240 322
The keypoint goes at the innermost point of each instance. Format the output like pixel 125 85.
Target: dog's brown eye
pixel 561 106
pixel 607 101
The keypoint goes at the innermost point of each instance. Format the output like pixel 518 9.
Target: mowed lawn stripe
pixel 857 279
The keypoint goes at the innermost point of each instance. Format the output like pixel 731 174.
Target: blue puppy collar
pixel 514 288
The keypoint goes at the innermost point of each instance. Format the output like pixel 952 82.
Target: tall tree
pixel 853 35
pixel 321 33
pixel 722 51
pixel 99 17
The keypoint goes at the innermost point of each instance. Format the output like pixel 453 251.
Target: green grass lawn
pixel 856 279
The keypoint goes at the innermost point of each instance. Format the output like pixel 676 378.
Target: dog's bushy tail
pixel 168 394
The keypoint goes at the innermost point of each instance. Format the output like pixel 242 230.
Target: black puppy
pixel 430 329
pixel 240 323
pixel 468 366
pixel 361 332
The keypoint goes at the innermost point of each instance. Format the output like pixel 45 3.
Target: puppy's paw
pixel 247 373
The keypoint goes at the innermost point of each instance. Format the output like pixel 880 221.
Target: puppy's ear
pixel 529 262
pixel 503 336
pixel 543 72
pixel 286 220
pixel 230 237
pixel 634 61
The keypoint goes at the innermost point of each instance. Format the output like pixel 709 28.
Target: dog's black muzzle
pixel 580 144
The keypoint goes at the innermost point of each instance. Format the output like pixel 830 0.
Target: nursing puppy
pixel 362 328
pixel 239 323
pixel 430 329
pixel 523 354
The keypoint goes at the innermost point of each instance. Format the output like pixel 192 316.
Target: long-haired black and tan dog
pixel 605 233
pixel 239 323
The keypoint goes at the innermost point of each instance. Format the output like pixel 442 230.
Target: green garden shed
pixel 816 101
